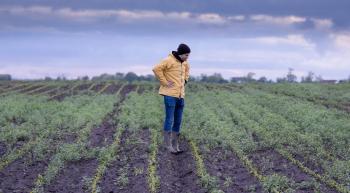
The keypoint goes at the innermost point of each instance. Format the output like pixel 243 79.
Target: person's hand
pixel 170 84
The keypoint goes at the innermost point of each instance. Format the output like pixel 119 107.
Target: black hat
pixel 183 49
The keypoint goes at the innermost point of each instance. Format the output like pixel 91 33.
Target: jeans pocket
pixel 182 102
pixel 169 101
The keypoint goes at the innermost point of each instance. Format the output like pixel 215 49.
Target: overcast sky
pixel 231 37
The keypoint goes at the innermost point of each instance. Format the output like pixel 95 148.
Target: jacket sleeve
pixel 158 71
pixel 187 72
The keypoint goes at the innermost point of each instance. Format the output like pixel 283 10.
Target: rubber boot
pixel 175 142
pixel 167 141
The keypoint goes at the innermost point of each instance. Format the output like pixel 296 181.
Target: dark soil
pixel 129 172
pixel 19 143
pixel 84 86
pixel 53 92
pixel 112 89
pixel 178 172
pixel 81 87
pixel 345 106
pixel 126 89
pixel 74 178
pixel 19 88
pixel 60 89
pixel 20 175
pixel 103 134
pixel 3 149
pixel 268 161
pixel 141 89
pixel 97 87
pixel 309 163
pixel 30 88
pixel 231 173
pixel 4 88
pixel 44 89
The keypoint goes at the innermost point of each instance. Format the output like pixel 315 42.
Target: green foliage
pixel 277 182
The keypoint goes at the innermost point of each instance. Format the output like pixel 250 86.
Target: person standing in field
pixel 173 74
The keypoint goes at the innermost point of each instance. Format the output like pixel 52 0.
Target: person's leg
pixel 180 103
pixel 169 103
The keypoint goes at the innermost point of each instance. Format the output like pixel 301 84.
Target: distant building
pixel 343 81
pixel 5 77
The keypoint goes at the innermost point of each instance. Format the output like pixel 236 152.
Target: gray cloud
pixel 335 10
pixel 153 22
pixel 231 36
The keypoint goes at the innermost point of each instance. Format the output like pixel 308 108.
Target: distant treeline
pixel 214 78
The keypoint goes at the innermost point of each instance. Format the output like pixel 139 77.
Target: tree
pixel 281 80
pixel 263 79
pixel 318 78
pixel 61 78
pixel 290 76
pixel 106 76
pixel 250 76
pixel 148 77
pixel 309 78
pixel 215 78
pixel 85 78
pixel 119 76
pixel 192 79
pixel 47 78
pixel 131 76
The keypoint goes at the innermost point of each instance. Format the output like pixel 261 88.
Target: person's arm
pixel 158 71
pixel 187 72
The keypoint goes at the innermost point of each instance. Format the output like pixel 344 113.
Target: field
pixel 83 136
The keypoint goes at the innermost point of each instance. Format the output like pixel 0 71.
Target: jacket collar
pixel 174 53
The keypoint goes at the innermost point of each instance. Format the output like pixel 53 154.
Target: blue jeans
pixel 173 113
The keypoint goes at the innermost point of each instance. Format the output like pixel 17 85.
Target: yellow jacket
pixel 171 69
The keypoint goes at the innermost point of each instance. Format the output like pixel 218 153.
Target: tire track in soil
pixel 71 178
pixel 269 161
pixel 178 172
pixel 103 135
pixel 231 173
pixel 131 164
